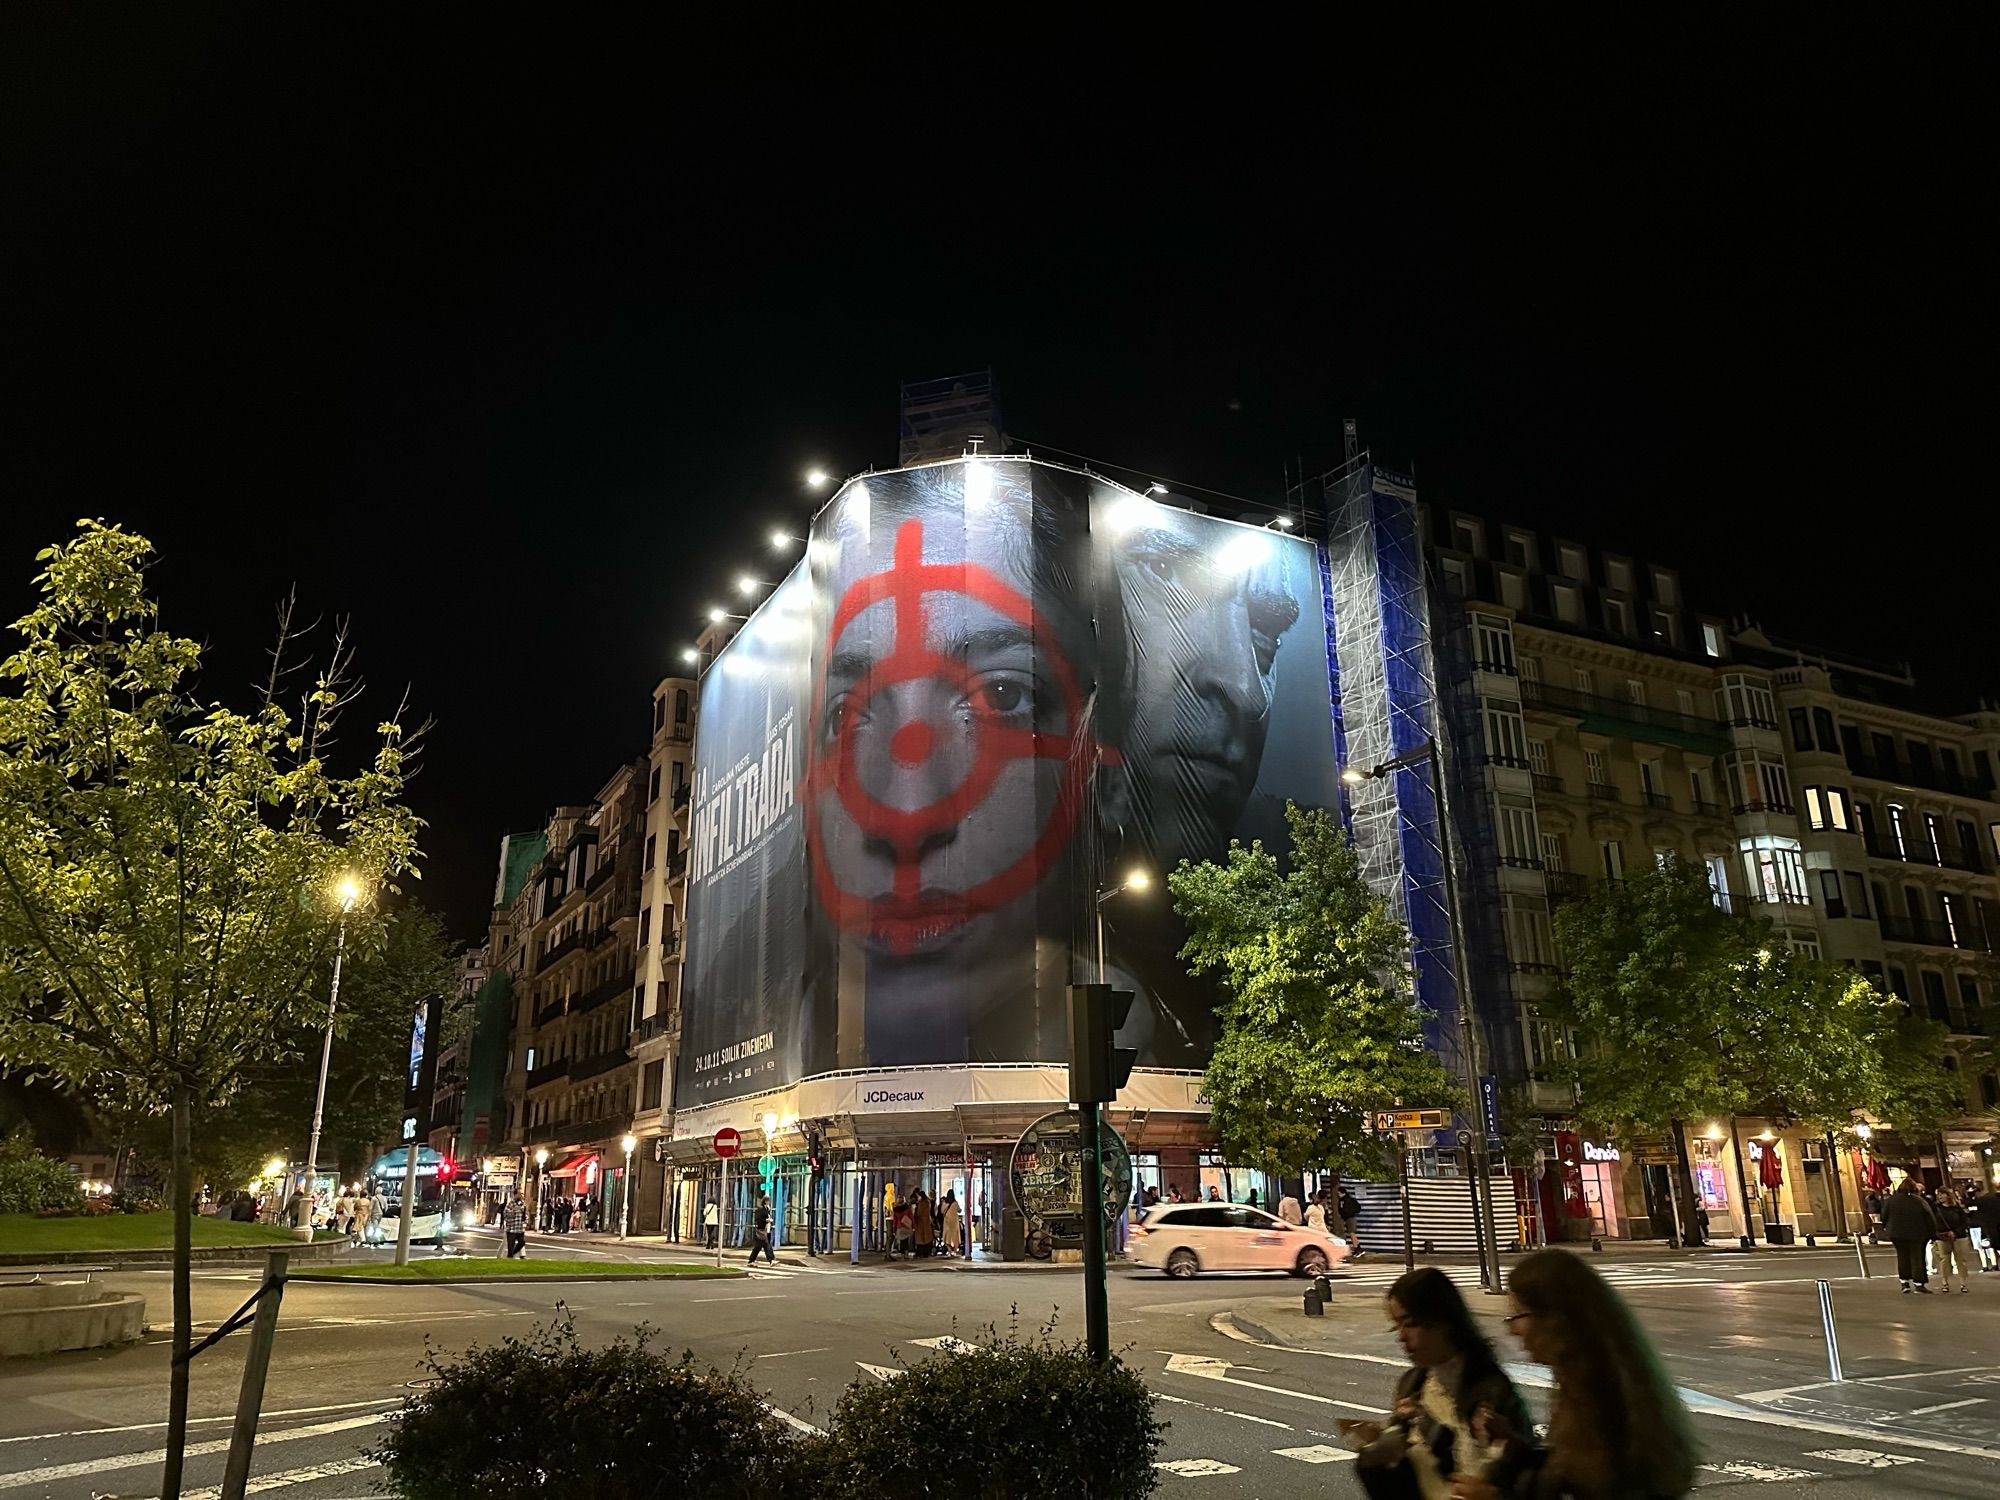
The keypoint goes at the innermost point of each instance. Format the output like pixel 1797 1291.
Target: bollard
pixel 1861 1257
pixel 1324 1288
pixel 1812 1240
pixel 1826 1325
pixel 1315 1303
pixel 1596 1245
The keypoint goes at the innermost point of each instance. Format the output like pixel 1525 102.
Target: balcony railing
pixel 1949 853
pixel 599 1064
pixel 1566 885
pixel 1704 809
pixel 550 1012
pixel 1590 706
pixel 681 795
pixel 1520 862
pixel 1936 778
pixel 677 864
pixel 559 949
pixel 1935 934
pixel 1760 805
pixel 1513 762
pixel 616 985
pixel 548 1072
pixel 1552 785
pixel 1604 791
pixel 1498 668
pixel 650 1027
pixel 1659 801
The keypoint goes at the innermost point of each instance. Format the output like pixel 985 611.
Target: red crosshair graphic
pixel 906 831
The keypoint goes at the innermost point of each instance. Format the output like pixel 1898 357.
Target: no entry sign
pixel 727 1142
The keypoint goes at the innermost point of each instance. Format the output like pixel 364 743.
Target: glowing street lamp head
pixel 780 540
pixel 690 656
pixel 717 615
pixel 347 891
pixel 770 1122
pixel 1156 489
pixel 275 1167
pixel 746 585
pixel 1353 777
pixel 1285 523
pixel 819 479
pixel 630 1143
pixel 1139 879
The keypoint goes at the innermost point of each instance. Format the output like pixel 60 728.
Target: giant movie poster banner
pixel 990 688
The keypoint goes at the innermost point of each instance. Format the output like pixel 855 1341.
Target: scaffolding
pixel 940 418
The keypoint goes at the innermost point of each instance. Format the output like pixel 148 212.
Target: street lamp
pixel 541 1172
pixel 781 539
pixel 1427 756
pixel 1138 878
pixel 347 891
pixel 819 479
pixel 746 585
pixel 690 655
pixel 625 1193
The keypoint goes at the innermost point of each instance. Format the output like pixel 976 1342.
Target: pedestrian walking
pixel 514 1225
pixel 711 1224
pixel 1350 1219
pixel 1288 1210
pixel 1911 1224
pixel 1985 1214
pixel 760 1232
pixel 1453 1378
pixel 1316 1215
pixel 921 1225
pixel 951 1222
pixel 1954 1241
pixel 362 1214
pixel 1617 1427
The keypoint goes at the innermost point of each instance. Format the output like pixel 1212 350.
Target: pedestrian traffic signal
pixel 446 1168
pixel 1098 1067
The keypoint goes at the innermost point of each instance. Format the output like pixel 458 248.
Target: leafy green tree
pixel 166 863
pixel 1319 1024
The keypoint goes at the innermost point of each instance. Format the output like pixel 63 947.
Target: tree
pixel 165 863
pixel 1319 1024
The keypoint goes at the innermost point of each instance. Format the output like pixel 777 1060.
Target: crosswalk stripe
pixel 287 1478
pixel 1318 1453
pixel 24 1477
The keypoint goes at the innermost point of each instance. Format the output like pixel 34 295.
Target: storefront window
pixel 1711 1180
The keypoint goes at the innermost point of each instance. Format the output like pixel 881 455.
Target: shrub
pixel 543 1416
pixel 1038 1415
pixel 31 1183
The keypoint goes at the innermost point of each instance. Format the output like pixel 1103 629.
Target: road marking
pixel 1924 1411
pixel 799 1424
pixel 751 1297
pixel 948 1344
pixel 1867 1458
pixel 1193 1468
pixel 290 1411
pixel 1241 1416
pixel 1793 1390
pixel 286 1479
pixel 1762 1473
pixel 24 1477
pixel 788 1353
pixel 1318 1453
pixel 1202 1367
pixel 880 1372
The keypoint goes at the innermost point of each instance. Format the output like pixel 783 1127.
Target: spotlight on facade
pixel 1284 523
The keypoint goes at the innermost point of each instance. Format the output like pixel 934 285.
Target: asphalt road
pixel 1251 1387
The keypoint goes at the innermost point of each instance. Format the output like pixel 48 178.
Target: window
pixel 1953 919
pixel 1666 627
pixel 1520 549
pixel 1711 639
pixel 1826 807
pixel 1612 855
pixel 1594 768
pixel 1968 999
pixel 1548 1045
pixel 1649 779
pixel 1857 894
pixel 652 841
pixel 1538 757
pixel 645 926
pixel 1748 703
pixel 1618 574
pixel 1454 578
pixel 1920 760
pixel 659 714
pixel 1884 747
pixel 1948 763
pixel 1718 879
pixel 1635 691
pixel 1800 942
pixel 1494 643
pixel 1684 702
pixel 1568 603
pixel 1506 735
pixel 1514 827
pixel 1801 729
pixel 1934 837
pixel 651 1080
pixel 1776 870
pixel 1823 731
pixel 1666 587
pixel 1663 858
pixel 1898 836
pixel 1531 671
pixel 1617 618
pixel 1530 940
pixel 653 786
pixel 1584 680
pixel 1569 560
pixel 1967 852
pixel 1936 1006
pixel 680 708
pixel 1989 1090
pixel 1513 590
pixel 1465 536
pixel 1552 853
pixel 1993 838
pixel 1830 893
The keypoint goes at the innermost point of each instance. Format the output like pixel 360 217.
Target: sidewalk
pixel 658 1246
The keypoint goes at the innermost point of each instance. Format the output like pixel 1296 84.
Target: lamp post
pixel 1468 1034
pixel 541 1171
pixel 347 892
pixel 1137 879
pixel 625 1188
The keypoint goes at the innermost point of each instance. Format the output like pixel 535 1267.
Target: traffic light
pixel 446 1168
pixel 1098 1068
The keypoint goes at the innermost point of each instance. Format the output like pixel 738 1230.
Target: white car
pixel 1185 1239
pixel 430 1224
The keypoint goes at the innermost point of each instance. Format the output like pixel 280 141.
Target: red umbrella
pixel 1771 1171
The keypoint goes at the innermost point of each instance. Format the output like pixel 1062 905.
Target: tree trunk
pixel 177 1387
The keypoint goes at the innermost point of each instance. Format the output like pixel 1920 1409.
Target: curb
pixel 708 1274
pixel 121 1260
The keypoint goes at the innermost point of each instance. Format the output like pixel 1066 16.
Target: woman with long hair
pixel 1617 1428
pixel 1453 1377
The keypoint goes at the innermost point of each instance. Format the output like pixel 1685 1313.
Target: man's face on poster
pixel 1206 604
pixel 940 720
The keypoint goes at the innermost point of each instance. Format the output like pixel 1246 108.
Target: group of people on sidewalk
pixel 354 1212
pixel 1938 1228
pixel 1460 1431
pixel 921 1225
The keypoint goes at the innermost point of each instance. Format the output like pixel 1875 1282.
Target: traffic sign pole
pixel 727 1143
pixel 1096 1310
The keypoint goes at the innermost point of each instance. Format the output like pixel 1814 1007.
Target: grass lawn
pixel 488 1267
pixel 26 1234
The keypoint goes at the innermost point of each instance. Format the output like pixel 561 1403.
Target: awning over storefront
pixel 574 1164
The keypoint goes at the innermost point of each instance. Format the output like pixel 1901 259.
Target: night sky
pixel 513 348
